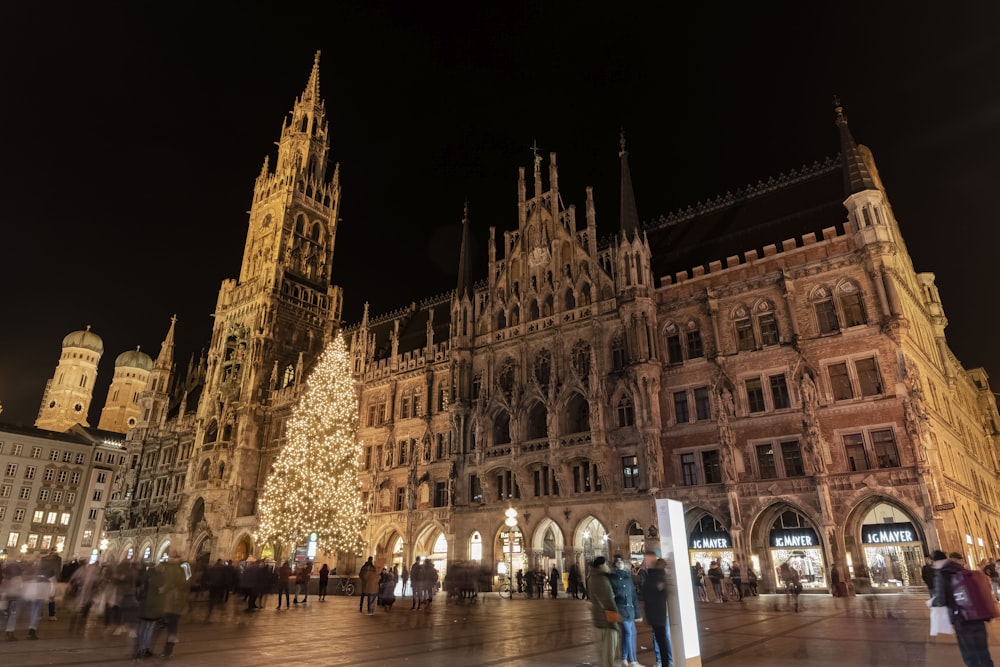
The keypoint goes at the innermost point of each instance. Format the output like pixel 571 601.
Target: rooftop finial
pixel 621 142
pixel 538 156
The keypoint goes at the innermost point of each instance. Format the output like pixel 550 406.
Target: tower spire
pixel 165 360
pixel 464 267
pixel 856 174
pixel 311 93
pixel 629 212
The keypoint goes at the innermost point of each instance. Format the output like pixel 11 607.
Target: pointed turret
pixel 165 360
pixel 629 212
pixel 856 175
pixel 311 93
pixel 464 259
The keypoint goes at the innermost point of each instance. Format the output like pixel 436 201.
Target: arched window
pixel 476 547
pixel 501 319
pixel 851 304
pixel 204 471
pixel 577 415
pixel 745 339
pixel 537 421
pixel 533 311
pixel 300 224
pixel 626 413
pixel 826 312
pixel 543 369
pixel 569 300
pixel 501 428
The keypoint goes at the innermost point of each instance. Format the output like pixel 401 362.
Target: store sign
pixel 708 541
pixel 794 539
pixel 884 533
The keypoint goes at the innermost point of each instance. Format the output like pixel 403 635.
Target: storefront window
pixel 892 547
pixel 710 541
pixel 794 541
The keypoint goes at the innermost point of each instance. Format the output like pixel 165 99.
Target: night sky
pixel 132 138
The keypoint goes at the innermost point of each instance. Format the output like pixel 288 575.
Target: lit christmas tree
pixel 314 484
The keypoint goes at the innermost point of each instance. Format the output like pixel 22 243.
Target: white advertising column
pixel 685 646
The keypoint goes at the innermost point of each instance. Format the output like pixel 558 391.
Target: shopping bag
pixel 941 622
pixel 612 616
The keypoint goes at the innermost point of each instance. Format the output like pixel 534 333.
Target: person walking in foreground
pixel 654 599
pixel 604 612
pixel 973 640
pixel 175 597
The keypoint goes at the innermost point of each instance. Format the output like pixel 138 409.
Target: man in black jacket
pixel 973 641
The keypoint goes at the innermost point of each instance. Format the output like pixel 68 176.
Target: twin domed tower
pixel 69 393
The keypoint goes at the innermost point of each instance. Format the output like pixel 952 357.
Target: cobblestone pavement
pixel 861 631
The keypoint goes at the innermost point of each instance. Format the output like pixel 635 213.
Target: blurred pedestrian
pixel 736 577
pixel 369 586
pixel 302 577
pixel 12 591
pixel 386 589
pixel 627 604
pixel 554 579
pixel 324 581
pixel 971 635
pixel 217 582
pixel 604 612
pixel 716 576
pixel 574 581
pixel 150 597
pixel 654 598
pixel 176 590
pixel 284 581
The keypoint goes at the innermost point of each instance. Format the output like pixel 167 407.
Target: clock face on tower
pixel 78 407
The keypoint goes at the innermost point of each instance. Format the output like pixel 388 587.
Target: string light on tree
pixel 314 484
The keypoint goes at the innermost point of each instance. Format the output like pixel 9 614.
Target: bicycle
pixel 505 590
pixel 346 587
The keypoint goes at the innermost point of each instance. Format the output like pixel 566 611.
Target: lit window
pixel 38 516
pixel 630 472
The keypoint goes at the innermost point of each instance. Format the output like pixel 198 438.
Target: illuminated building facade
pixel 770 358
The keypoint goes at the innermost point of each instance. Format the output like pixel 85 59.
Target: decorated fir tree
pixel 314 484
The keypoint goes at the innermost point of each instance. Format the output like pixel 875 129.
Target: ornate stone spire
pixel 629 212
pixel 856 175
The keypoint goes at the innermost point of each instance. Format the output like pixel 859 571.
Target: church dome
pixel 134 359
pixel 86 339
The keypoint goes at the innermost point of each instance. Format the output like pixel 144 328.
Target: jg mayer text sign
pixel 794 538
pixel 883 533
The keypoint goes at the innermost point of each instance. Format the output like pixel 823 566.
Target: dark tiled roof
pixel 769 213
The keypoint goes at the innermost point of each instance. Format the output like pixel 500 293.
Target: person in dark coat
pixel 574 581
pixel 554 583
pixel 927 573
pixel 603 609
pixel 625 600
pixel 284 583
pixel 386 589
pixel 973 640
pixel 654 598
pixel 369 586
pixel 324 581
pixel 151 602
pixel 736 576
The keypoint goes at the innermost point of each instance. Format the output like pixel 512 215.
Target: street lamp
pixel 511 522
